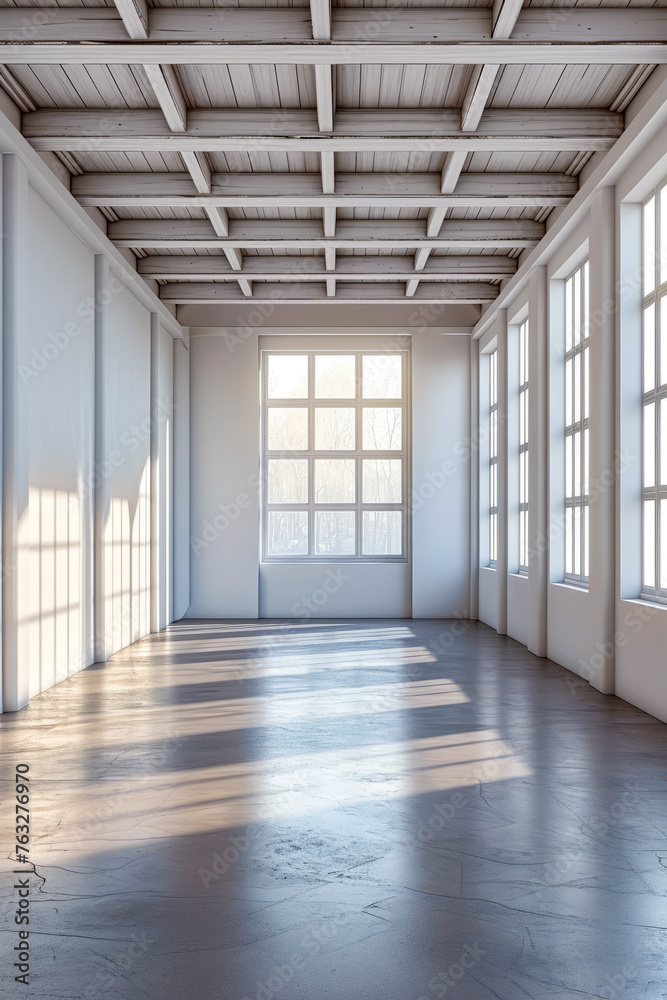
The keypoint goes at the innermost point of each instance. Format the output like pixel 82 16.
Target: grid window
pixel 493 458
pixel 334 431
pixel 654 446
pixel 523 447
pixel 577 355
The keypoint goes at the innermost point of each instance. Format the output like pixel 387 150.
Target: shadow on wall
pixel 57 623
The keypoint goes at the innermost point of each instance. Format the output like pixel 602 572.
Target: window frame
pixel 358 454
pixel 524 446
pixel 656 397
pixel 579 500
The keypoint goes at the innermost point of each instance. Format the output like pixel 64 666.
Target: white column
pixel 501 563
pixel 101 651
pixel 15 481
pixel 474 479
pixel 181 481
pixel 155 476
pixel 538 507
pixel 602 434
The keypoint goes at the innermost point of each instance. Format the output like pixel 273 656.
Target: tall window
pixel 523 447
pixel 335 438
pixel 493 458
pixel 577 354
pixel 654 569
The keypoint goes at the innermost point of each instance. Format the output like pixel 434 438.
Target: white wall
pixel 181 481
pixel 58 347
pixel 162 440
pixel 227 577
pixel 440 475
pixel 603 633
pixel 76 449
pixel 124 468
pixel 336 590
pixel 224 490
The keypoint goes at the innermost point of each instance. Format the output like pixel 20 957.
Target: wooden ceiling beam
pixel 392 130
pixel 546 52
pixel 509 234
pixel 471 293
pixel 504 17
pixel 100 188
pixel 486 267
pixel 133 13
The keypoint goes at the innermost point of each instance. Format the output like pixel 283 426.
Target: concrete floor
pixel 339 811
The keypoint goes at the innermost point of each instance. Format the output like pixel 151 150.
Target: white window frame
pixel 576 370
pixel 493 458
pixel 358 454
pixel 524 447
pixel 654 399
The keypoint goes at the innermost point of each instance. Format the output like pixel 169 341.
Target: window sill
pixel 581 588
pixel 660 604
pixel 333 560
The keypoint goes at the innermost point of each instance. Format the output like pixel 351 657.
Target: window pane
pixel 649 445
pixel 523 353
pixel 584 540
pixel 649 543
pixel 586 463
pixel 334 532
pixel 576 320
pixel 288 480
pixel 569 409
pixel 576 537
pixel 288 533
pixel 287 428
pixel 493 485
pixel 577 388
pixel 523 538
pixel 493 427
pixel 586 307
pixel 523 477
pixel 334 480
pixel 586 354
pixel 663 442
pixel 523 417
pixel 649 347
pixel 288 376
pixel 663 234
pixel 649 246
pixel 576 441
pixel 382 533
pixel 568 540
pixel 663 544
pixel 335 376
pixel 493 537
pixel 334 428
pixel 568 314
pixel 382 481
pixel 382 429
pixel 663 340
pixel 382 376
pixel 568 466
